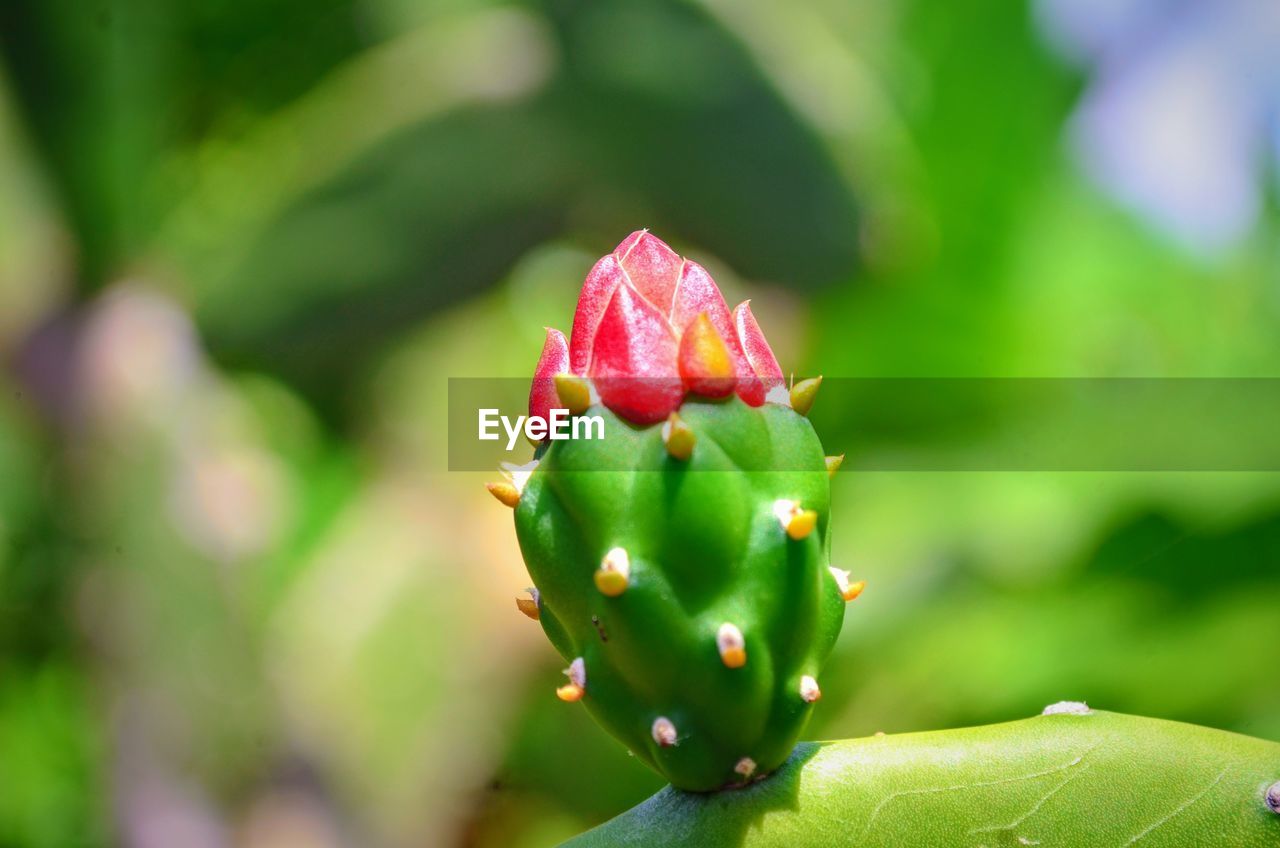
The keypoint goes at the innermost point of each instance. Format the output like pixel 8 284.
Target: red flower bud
pixel 759 354
pixel 597 291
pixel 554 360
pixel 650 326
pixel 633 360
pixel 652 267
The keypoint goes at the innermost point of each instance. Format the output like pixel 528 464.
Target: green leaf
pixel 1091 779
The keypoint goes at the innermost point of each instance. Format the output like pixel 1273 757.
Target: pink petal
pixel 698 293
pixel 759 354
pixel 654 268
pixel 633 364
pixel 554 360
pixel 597 291
pixel 752 390
pixel 627 243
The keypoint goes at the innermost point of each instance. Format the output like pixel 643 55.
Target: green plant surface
pixel 1081 780
pixel 704 546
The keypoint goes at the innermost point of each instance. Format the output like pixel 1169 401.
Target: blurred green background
pixel 243 245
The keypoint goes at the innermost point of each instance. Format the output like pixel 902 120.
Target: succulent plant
pixel 680 562
pixel 1072 776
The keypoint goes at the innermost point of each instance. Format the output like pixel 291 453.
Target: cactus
pixel 1072 777
pixel 681 562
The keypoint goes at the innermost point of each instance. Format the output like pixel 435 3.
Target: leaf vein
pixel 1180 808
pixel 1035 808
pixel 871 820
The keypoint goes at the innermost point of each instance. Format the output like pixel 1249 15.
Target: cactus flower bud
pixel 554 360
pixel 704 604
pixel 649 327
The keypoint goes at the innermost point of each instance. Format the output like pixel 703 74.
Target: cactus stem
pixel 506 493
pixel 798 522
pixel 731 645
pixel 530 605
pixel 678 437
pixel 664 732
pixel 577 685
pixel 745 767
pixel 803 394
pixel 833 464
pixel 574 392
pixel 614 574
pixel 848 590
pixel 809 691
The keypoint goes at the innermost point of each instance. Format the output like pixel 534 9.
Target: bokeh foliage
pixel 242 246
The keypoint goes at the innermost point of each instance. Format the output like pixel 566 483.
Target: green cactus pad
pixel 1078 779
pixel 703 547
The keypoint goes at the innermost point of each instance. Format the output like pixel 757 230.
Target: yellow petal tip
pixel 574 393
